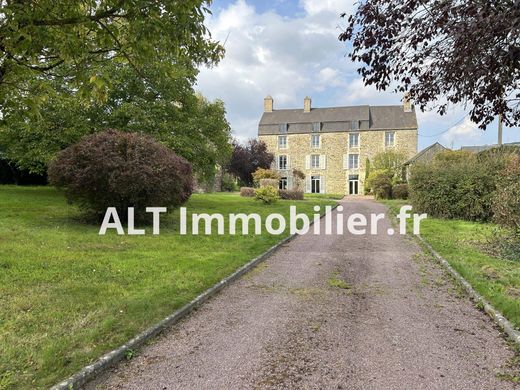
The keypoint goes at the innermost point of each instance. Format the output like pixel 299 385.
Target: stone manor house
pixel 331 145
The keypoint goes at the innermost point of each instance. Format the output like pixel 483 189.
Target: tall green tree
pixel 166 108
pixel 70 42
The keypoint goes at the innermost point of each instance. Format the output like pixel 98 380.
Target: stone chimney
pixel 407 104
pixel 307 104
pixel 268 104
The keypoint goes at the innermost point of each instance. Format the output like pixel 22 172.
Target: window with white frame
pixel 389 138
pixel 315 160
pixel 282 162
pixel 353 161
pixel 283 183
pixel 283 127
pixel 316 127
pixel 315 140
pixel 353 140
pixel 282 142
pixel 355 125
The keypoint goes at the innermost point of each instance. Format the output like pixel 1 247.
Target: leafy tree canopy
pixel 69 42
pixel 390 160
pixel 166 108
pixel 246 159
pixel 465 50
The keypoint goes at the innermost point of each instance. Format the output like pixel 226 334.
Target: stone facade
pixel 335 147
pixel 321 142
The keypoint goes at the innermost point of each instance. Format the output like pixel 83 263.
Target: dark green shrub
pixel 506 199
pixel 291 194
pixel 400 191
pixel 248 192
pixel 267 194
pixel 455 185
pixel 121 170
pixel 228 183
pixel 380 182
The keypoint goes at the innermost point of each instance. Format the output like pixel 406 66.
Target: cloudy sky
pixel 289 49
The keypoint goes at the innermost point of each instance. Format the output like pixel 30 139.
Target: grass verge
pixel 69 295
pixel 460 243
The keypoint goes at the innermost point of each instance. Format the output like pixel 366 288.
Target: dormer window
pixel 316 127
pixel 355 125
pixel 283 127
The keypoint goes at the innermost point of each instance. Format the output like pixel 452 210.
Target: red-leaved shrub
pixel 118 169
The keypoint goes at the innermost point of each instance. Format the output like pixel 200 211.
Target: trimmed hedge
pixel 291 194
pixel 455 185
pixel 506 199
pixel 121 170
pixel 248 192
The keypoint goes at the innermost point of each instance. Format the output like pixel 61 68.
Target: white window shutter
pixel 323 161
pixel 277 162
pixel 322 185
pixel 289 183
pixel 307 162
pixel 345 161
pixel 308 184
pixel 288 162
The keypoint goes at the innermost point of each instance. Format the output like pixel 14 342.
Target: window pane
pixel 282 162
pixel 353 161
pixel 315 141
pixel 282 141
pixel 353 140
pixel 315 161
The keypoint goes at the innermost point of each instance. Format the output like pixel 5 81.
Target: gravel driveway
pixel 329 312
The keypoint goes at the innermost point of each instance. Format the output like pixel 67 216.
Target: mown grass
pixel 68 295
pixel 461 243
pixel 324 196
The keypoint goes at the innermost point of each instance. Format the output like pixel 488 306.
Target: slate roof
pixel 334 119
pixel 436 145
pixel 481 148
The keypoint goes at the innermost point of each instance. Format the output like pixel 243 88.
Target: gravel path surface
pixel 329 312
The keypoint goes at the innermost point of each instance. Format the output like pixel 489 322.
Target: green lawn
pixel 460 243
pixel 68 295
pixel 324 196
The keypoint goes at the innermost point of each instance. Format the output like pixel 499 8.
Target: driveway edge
pixel 499 319
pixel 89 372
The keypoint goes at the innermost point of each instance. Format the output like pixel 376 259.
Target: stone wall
pixel 334 146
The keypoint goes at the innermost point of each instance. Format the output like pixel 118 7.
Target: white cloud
pixel 313 7
pixel 292 57
pixel 467 131
pixel 268 54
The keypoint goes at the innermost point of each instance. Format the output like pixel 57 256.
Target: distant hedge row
pixel 468 186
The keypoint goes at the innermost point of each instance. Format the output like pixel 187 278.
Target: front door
pixel 353 184
pixel 315 184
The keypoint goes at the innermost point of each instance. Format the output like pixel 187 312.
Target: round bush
pixel 118 169
pixel 267 194
pixel 380 181
pixel 400 191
